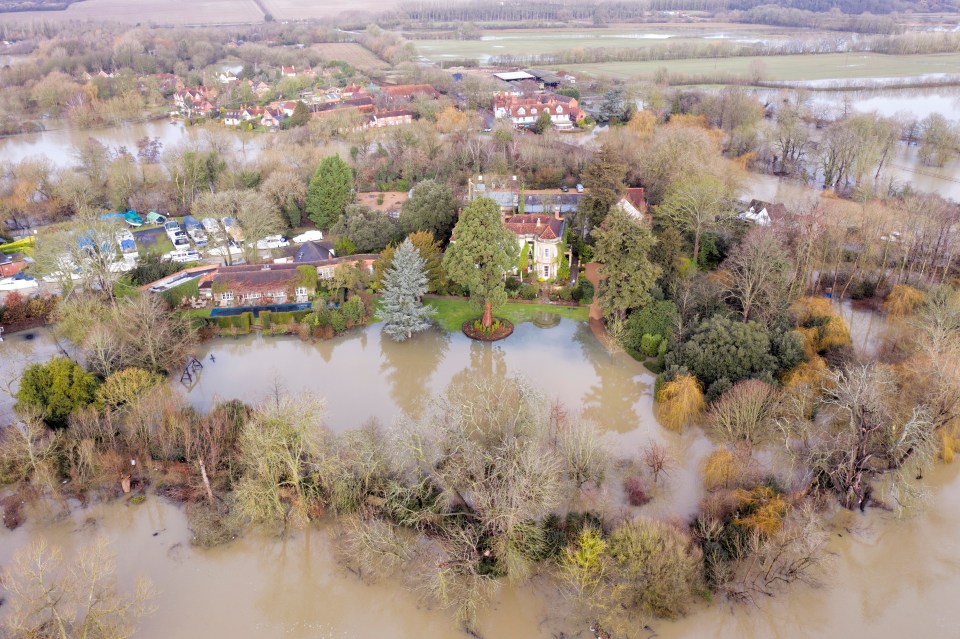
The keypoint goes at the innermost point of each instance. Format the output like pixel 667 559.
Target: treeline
pixel 789 17
pixel 632 11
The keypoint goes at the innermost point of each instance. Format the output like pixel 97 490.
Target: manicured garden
pixel 453 312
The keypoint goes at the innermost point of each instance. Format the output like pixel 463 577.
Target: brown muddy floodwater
pixel 890 578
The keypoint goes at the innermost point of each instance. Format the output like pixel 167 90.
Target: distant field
pixel 542 41
pixel 351 53
pixel 787 67
pixel 151 12
pixel 305 9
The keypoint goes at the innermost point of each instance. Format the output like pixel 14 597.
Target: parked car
pixel 180 240
pixel 272 242
pixel 579 188
pixel 564 188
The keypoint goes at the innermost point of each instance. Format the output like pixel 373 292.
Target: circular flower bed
pixel 498 330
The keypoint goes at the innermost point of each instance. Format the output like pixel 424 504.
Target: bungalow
pixel 542 237
pixel 255 284
pixel 288 72
pixel 349 91
pixel 277 283
pixel 226 77
pixel 391 118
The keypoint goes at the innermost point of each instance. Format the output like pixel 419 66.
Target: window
pixel 546 271
pixel 521 111
pixel 559 109
pixel 301 290
pixel 546 252
pixel 226 296
pixel 533 111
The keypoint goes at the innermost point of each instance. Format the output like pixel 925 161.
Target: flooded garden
pixel 888 575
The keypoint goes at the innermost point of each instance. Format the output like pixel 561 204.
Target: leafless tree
pixel 71 599
pixel 658 459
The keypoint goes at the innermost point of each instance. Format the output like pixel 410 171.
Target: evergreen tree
pixel 301 115
pixel 403 287
pixel 329 191
pixel 432 207
pixel 623 248
pixel 606 177
pixel 481 252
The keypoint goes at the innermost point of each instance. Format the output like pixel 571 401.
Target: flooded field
pixel 57 143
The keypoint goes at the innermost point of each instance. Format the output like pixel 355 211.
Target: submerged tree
pixel 404 286
pixel 482 251
pixel 52 597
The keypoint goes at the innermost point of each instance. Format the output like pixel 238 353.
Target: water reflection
pixel 370 376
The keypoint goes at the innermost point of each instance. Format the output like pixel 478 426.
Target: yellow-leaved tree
pixel 680 402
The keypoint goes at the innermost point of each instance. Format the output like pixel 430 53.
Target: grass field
pixel 151 12
pixel 452 313
pixel 306 9
pixel 788 67
pixel 351 53
pixel 541 41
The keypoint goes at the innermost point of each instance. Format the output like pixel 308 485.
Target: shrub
pixel 338 321
pixel 650 344
pixel 266 319
pixel 353 310
pixel 528 292
pixel 565 293
pixel 584 291
pixel 656 318
pixel 55 389
pixel 176 295
pixel 125 386
pixel 821 326
pixel 513 284
pixel 636 495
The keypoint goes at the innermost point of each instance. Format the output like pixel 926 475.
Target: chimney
pixel 538 221
pixel 556 213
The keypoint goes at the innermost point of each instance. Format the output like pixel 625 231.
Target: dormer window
pixel 521 111
pixel 559 109
pixel 533 111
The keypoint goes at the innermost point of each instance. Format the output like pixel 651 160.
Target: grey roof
pixel 536 203
pixel 312 252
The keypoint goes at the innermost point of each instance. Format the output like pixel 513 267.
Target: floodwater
pixel 17 352
pixel 58 142
pixel 889 577
pixel 903 169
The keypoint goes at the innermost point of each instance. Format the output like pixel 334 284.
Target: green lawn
pixel 786 67
pixel 452 313
pixel 197 312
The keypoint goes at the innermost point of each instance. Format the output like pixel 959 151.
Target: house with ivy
pixel 543 252
pixel 259 284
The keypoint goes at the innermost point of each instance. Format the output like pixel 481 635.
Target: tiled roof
pixel 410 90
pixel 544 227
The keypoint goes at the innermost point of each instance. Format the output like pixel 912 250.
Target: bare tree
pixel 658 459
pixel 759 275
pixel 76 599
